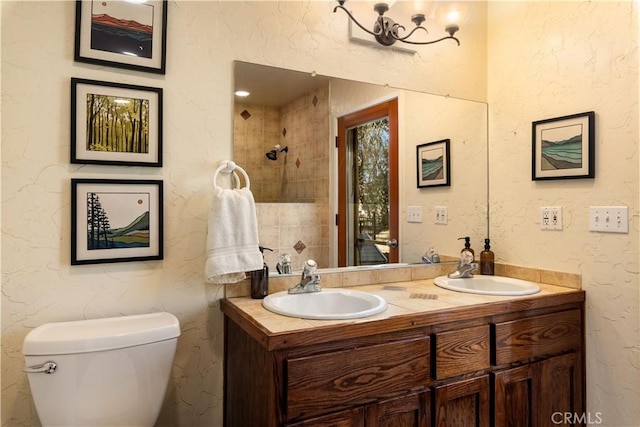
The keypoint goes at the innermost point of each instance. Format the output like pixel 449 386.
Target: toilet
pixel 101 372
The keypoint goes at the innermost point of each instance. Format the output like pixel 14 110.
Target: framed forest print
pixel 564 147
pixel 115 124
pixel 124 34
pixel 116 220
pixel 433 164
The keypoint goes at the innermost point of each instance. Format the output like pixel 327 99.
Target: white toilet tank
pixel 109 372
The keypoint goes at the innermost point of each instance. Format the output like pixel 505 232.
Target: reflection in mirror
pixel 296 190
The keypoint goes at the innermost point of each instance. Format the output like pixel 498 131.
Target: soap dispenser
pixel 260 278
pixel 487 259
pixel 467 247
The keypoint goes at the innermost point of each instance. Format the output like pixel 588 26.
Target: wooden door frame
pixel 385 109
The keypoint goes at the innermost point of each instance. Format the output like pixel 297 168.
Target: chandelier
pixel 386 31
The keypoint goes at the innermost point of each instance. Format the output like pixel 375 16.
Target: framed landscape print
pixel 116 220
pixel 433 164
pixel 124 34
pixel 564 147
pixel 115 124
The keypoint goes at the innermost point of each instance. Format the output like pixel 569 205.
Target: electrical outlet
pixel 609 219
pixel 414 213
pixel 551 218
pixel 441 215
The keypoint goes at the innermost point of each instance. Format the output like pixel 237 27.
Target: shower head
pixel 273 154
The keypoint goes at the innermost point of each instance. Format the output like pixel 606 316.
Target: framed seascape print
pixel 115 220
pixel 564 147
pixel 433 164
pixel 124 34
pixel 115 124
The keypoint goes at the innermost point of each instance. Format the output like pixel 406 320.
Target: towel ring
pixel 230 167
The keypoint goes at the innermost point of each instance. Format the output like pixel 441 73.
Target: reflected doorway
pixel 368 186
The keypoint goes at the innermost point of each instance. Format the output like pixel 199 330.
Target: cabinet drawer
pixel 333 381
pixel 532 337
pixel 462 351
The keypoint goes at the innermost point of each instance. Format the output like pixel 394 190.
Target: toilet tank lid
pixel 84 336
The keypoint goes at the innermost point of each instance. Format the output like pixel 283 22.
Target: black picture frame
pixel 433 164
pixel 130 35
pixel 564 147
pixel 116 220
pixel 115 124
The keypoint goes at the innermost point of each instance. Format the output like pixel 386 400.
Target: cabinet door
pixel 516 397
pixel 408 411
pixel 463 403
pixel 561 386
pixel 349 418
pixel 540 394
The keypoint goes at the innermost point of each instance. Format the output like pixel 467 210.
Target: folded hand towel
pixel 232 240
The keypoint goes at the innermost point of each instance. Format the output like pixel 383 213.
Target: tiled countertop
pixel 413 303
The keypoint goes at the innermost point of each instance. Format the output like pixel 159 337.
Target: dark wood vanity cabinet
pixel 538 394
pixel 551 382
pixel 511 368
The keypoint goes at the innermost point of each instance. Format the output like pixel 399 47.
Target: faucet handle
pixel 309 267
pixel 466 257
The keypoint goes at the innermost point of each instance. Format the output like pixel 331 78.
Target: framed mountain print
pixel 433 164
pixel 116 220
pixel 123 34
pixel 564 147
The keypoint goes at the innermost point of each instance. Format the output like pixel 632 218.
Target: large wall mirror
pixel 285 133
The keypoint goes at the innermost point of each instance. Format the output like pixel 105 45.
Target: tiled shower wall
pixel 302 174
pixel 256 129
pixel 305 129
pixel 293 227
pixel 292 192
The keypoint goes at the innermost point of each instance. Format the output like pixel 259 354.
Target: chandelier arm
pixel 412 31
pixel 373 33
pixel 433 41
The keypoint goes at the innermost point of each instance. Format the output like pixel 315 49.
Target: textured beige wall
pixel 204 38
pixel 549 59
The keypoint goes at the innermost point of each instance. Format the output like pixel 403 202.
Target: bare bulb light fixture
pixel 386 31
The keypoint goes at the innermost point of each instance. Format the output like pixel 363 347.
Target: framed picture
pixel 115 220
pixel 124 34
pixel 564 147
pixel 433 164
pixel 115 124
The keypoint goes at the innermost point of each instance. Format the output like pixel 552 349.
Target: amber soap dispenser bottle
pixel 487 259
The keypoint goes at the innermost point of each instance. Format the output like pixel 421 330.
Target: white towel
pixel 232 239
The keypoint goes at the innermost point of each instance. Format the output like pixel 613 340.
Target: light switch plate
pixel 414 213
pixel 609 219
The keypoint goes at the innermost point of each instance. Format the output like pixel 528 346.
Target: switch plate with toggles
pixel 414 213
pixel 609 219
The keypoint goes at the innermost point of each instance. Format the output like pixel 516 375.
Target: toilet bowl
pixel 101 372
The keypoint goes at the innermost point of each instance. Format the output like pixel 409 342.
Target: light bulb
pixel 452 14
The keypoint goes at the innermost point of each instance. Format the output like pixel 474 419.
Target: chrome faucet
pixel 466 266
pixel 310 279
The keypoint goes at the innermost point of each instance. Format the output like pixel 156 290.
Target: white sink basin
pixel 488 285
pixel 328 304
